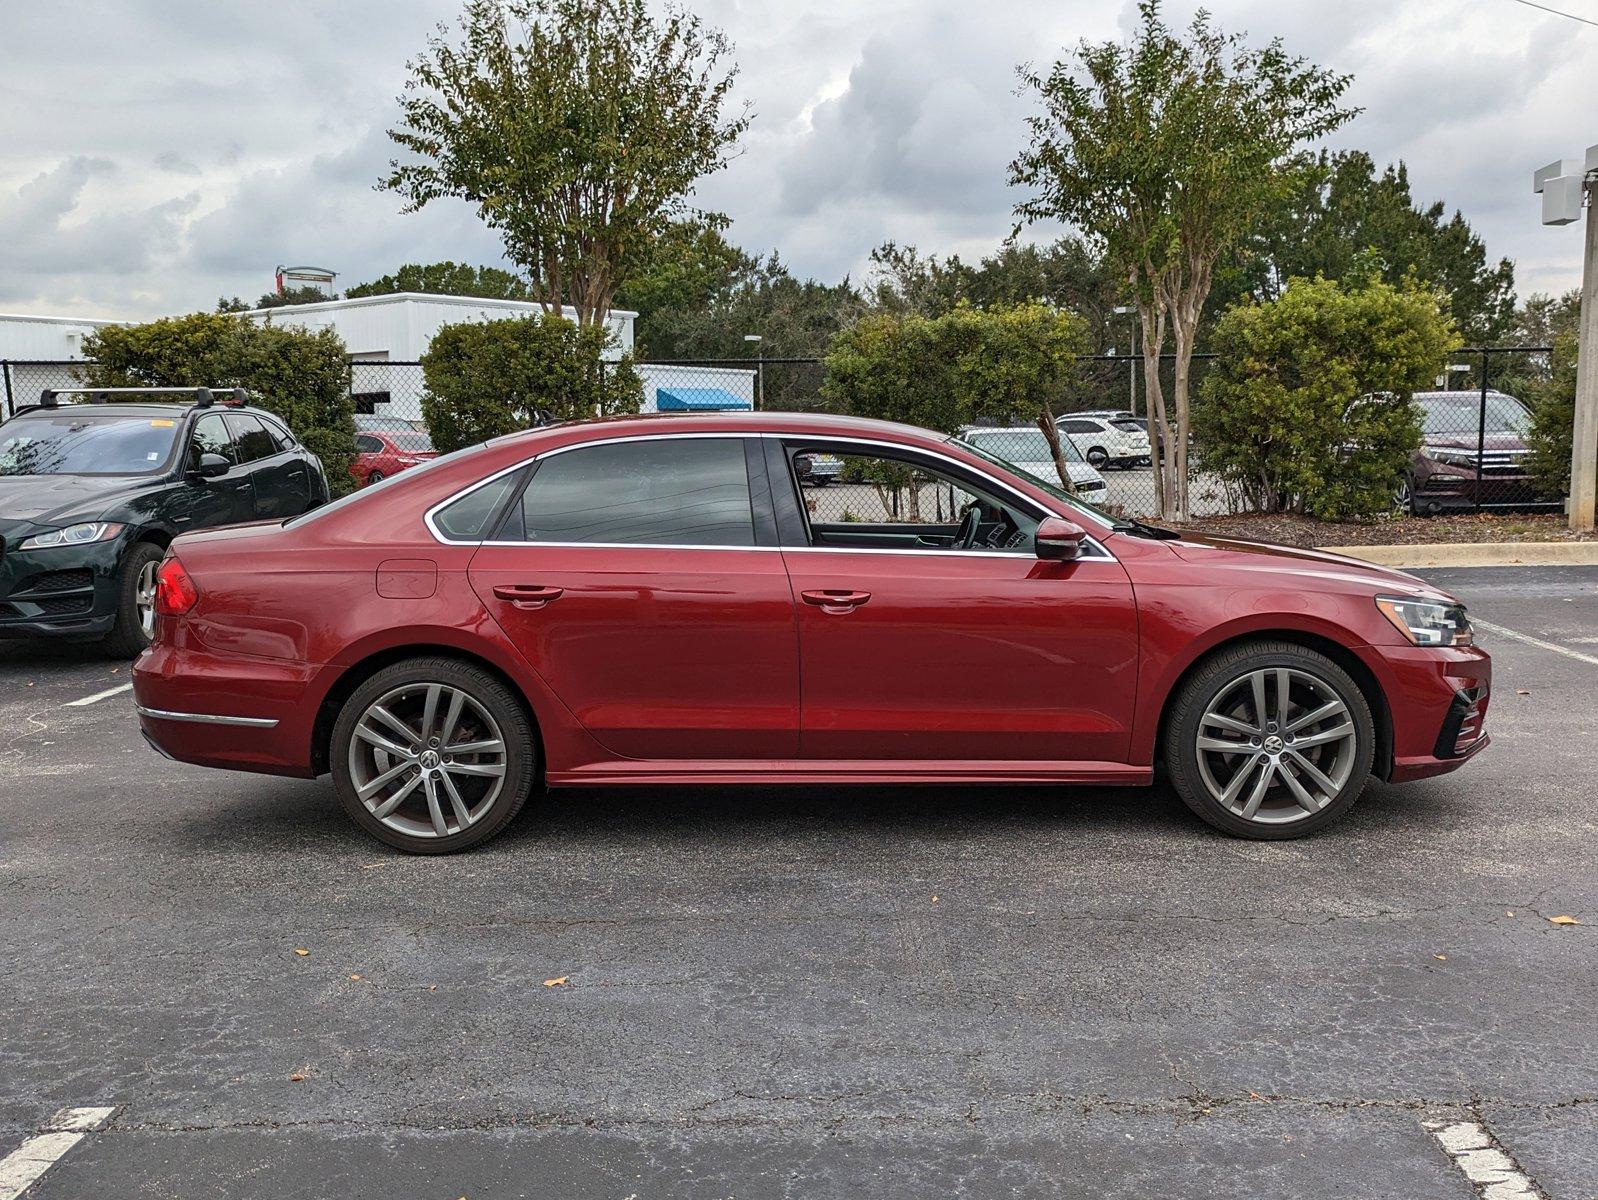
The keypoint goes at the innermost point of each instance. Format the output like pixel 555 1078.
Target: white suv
pixel 1106 441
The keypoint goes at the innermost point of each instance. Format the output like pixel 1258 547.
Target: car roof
pixel 1460 394
pixel 817 425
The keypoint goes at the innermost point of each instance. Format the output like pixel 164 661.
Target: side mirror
pixel 211 467
pixel 1058 539
pixel 803 466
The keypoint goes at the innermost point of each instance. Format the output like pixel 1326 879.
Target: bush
pixel 1553 419
pixel 1307 407
pixel 301 376
pixel 1010 363
pixel 488 379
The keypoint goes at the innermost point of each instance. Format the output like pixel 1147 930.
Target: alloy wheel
pixel 427 760
pixel 144 598
pixel 1276 745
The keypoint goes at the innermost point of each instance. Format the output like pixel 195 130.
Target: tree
pixel 690 267
pixel 1162 153
pixel 1552 397
pixel 577 127
pixel 1015 363
pixel 446 279
pixel 291 296
pixel 303 377
pixel 1335 213
pixel 1308 405
pixel 490 378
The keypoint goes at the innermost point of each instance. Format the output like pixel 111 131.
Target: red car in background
pixel 647 600
pixel 380 453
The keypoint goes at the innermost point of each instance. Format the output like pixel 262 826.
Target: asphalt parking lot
pixel 901 993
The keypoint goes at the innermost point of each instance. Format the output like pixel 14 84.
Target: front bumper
pixel 234 711
pixel 62 592
pixel 1437 700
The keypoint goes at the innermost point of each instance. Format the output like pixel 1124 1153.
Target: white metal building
pixel 25 338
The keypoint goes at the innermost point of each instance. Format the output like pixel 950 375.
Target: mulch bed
pixel 1288 529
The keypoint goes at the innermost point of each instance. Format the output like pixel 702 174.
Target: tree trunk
pixel 1152 319
pixel 1051 434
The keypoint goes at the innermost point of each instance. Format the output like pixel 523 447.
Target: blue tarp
pixel 698 400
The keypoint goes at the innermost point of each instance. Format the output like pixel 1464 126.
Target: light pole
pixel 1121 310
pixel 754 339
pixel 1567 186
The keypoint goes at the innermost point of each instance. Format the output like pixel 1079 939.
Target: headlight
pixel 1428 622
pixel 1454 458
pixel 73 535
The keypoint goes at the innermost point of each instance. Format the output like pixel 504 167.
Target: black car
pixel 91 494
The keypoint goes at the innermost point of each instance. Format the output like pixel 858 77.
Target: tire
pixel 1097 457
pixel 423 773
pixel 1405 497
pixel 1222 689
pixel 132 631
pixel 374 477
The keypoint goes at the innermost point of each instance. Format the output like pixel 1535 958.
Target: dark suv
pixel 1443 470
pixel 91 493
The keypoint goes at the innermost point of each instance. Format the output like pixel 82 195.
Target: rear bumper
pixel 1437 700
pixel 233 712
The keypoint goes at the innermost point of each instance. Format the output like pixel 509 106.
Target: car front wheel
pixel 1097 457
pixel 135 617
pixel 433 755
pixel 1269 740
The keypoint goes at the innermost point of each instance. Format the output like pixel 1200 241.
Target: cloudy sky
pixel 155 154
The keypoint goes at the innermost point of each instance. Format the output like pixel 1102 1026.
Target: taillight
pixel 175 592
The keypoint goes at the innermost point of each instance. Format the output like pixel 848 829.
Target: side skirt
pixel 889 771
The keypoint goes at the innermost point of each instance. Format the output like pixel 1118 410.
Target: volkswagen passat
pixel 650 601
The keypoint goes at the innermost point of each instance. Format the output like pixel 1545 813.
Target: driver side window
pixel 211 437
pixel 883 502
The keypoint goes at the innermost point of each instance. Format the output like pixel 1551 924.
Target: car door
pixel 278 477
pixel 915 649
pixel 641 578
pixel 221 500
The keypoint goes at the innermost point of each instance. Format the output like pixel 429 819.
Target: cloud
pixel 192 146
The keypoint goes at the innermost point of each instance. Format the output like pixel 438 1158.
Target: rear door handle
pixel 830 600
pixel 528 595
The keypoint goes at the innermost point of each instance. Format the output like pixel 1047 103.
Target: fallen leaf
pixel 296 1079
pixel 301 951
pixel 354 976
pixel 1509 913
pixel 1522 691
pixel 934 899
pixel 1440 957
pixel 561 982
pixel 1255 1096
pixel 1563 920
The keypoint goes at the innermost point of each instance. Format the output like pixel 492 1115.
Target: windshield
pixel 1054 489
pixel 1460 413
pixel 1020 445
pixel 75 443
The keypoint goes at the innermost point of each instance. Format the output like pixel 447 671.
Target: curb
pixel 1476 554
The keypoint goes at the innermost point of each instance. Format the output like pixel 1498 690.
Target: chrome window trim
pixel 161 714
pixel 1093 543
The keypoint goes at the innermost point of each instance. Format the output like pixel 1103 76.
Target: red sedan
pixel 649 601
pixel 380 453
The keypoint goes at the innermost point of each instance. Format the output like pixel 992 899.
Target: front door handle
pixel 830 600
pixel 528 595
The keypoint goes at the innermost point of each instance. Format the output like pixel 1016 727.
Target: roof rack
pixel 203 397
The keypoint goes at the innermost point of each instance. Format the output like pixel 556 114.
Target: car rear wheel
pixel 1269 740
pixel 433 755
pixel 1097 457
pixel 135 619
pixel 1404 497
pixel 375 477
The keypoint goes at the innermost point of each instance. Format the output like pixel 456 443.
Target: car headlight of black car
pixel 1428 622
pixel 72 535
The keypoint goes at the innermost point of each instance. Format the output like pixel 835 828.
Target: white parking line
pixel 105 695
pixel 1495 1175
pixel 1531 641
pixel 25 1165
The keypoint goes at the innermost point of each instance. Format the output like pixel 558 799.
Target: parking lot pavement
pixel 812 992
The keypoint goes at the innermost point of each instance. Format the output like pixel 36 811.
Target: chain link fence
pixel 1476 450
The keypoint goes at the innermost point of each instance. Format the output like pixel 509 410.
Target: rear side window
pixel 251 438
pixel 466 520
pixel 664 492
pixel 280 434
pixel 367 444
